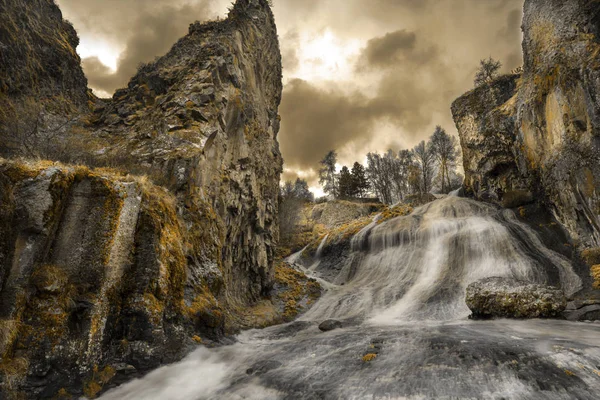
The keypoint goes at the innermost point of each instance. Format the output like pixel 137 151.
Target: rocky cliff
pixel 536 136
pixel 163 235
pixel 42 85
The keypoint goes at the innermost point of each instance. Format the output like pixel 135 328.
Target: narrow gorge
pixel 140 249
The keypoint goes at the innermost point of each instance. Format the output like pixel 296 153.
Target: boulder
pixel 510 298
pixel 330 325
pixel 583 310
pixel 587 313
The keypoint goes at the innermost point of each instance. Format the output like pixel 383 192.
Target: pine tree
pixel 346 184
pixel 360 183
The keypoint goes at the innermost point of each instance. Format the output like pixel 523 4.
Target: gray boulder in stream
pixel 330 325
pixel 510 298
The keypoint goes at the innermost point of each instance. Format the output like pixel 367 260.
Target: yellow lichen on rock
pixel 14 371
pixel 295 291
pixel 595 270
pixel 9 329
pixel 197 339
pixel 99 379
pixel 369 357
pixel 399 210
pixel 591 256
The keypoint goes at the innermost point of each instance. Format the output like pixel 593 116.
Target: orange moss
pixel 49 278
pixel 18 171
pixel 158 207
pixel 63 394
pixel 91 389
pixel 400 210
pixel 591 256
pixel 595 270
pixel 14 371
pixel 46 312
pixel 9 330
pixel 205 310
pixel 99 379
pixel 296 288
pixel 346 231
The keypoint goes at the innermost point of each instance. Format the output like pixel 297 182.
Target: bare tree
pixel 301 191
pixel 327 176
pixel 425 160
pixel 444 148
pixel 488 70
pixel 289 208
pixel 400 175
pixel 377 173
pixel 389 174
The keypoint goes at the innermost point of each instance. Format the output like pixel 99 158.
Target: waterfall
pixel 400 296
pixel 418 267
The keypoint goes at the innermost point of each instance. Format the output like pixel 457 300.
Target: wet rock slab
pixel 510 298
pixel 583 310
pixel 330 325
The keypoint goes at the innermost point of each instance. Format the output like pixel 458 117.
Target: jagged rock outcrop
pixel 537 136
pixel 42 85
pixel 509 298
pixel 487 136
pixel 106 273
pixel 335 213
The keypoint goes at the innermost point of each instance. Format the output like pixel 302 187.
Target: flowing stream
pixel 400 295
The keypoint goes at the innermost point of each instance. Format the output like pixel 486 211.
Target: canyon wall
pixel 151 222
pixel 535 136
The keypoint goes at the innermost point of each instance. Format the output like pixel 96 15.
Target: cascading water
pixel 400 294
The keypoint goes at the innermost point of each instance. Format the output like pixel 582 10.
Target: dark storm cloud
pixel 396 49
pixel 404 95
pixel 316 120
pixel 389 49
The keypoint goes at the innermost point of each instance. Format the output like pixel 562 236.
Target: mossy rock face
pixel 109 272
pixel 533 136
pixel 510 298
pixel 591 256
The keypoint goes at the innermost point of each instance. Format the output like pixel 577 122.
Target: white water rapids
pixel 400 294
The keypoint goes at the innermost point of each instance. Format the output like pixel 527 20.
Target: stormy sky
pixel 359 75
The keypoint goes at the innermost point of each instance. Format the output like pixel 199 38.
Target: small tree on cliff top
pixel 488 70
